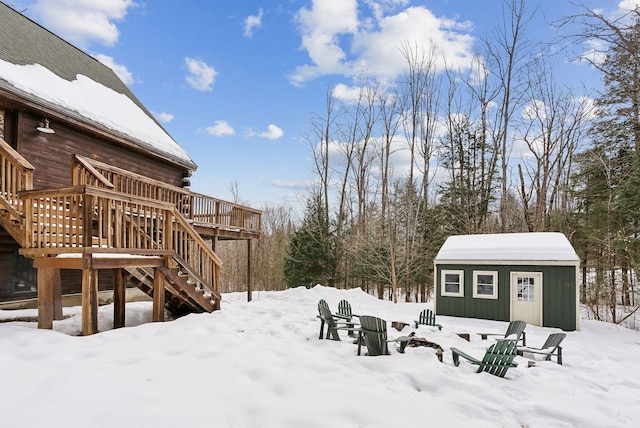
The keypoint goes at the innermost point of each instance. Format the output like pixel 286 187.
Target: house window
pixel 485 284
pixel 452 283
pixel 8 121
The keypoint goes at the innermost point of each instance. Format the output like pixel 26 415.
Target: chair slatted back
pixel 427 317
pixel 499 358
pixel 553 341
pixel 344 309
pixel 374 331
pixel 321 305
pixel 516 328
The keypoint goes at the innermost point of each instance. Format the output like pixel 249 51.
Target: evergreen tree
pixel 607 186
pixel 310 255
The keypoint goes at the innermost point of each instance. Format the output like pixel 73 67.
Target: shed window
pixel 452 283
pixel 485 285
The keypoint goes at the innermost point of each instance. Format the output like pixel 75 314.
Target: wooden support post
pixel 249 272
pixel 89 302
pixel 57 294
pixel 45 298
pixel 158 296
pixel 119 298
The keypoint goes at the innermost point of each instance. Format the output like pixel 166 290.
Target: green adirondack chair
pixel 515 330
pixel 326 318
pixel 497 360
pixel 322 304
pixel 427 317
pixel 344 312
pixel 373 332
pixel 551 348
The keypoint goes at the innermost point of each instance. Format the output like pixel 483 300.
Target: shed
pixel 510 276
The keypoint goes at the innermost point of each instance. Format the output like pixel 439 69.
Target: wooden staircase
pixel 110 217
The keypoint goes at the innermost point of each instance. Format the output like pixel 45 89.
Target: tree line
pixel 499 146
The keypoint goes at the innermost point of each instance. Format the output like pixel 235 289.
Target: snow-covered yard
pixel 260 364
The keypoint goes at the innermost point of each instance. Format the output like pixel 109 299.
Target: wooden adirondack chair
pixel 427 317
pixel 326 318
pixel 551 348
pixel 373 331
pixel 515 329
pixel 497 360
pixel 344 312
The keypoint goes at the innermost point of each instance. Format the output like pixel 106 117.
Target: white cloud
pixel 252 22
pixel 200 75
pixel 379 52
pixel 534 109
pixel 346 93
pixel 82 22
pixel 220 129
pixel 337 42
pixel 321 27
pixel 164 117
pixel 273 132
pixel 627 5
pixel 122 72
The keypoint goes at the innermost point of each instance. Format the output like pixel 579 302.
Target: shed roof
pixel 39 66
pixel 520 247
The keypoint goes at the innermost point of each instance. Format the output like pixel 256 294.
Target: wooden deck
pixel 148 232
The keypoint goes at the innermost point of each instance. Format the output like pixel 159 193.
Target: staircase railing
pixel 70 219
pixel 201 210
pixel 16 175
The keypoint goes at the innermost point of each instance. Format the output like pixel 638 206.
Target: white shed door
pixel 526 297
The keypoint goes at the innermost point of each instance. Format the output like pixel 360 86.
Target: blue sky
pixel 236 82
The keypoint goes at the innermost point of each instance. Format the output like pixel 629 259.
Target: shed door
pixel 526 297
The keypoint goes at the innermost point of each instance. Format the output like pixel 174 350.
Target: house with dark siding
pixel 94 191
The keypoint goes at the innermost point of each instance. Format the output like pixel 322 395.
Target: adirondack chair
pixel 373 331
pixel 551 348
pixel 326 318
pixel 497 360
pixel 427 317
pixel 322 304
pixel 344 312
pixel 515 330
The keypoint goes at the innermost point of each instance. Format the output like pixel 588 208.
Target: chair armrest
pixel 402 342
pixel 483 336
pixel 456 354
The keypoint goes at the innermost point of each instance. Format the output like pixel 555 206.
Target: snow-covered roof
pixel 39 66
pixel 509 247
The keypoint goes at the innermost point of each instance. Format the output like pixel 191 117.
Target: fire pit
pixel 421 341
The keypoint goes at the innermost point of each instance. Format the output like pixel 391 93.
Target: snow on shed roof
pixel 534 246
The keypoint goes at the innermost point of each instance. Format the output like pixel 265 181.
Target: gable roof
pixel 40 66
pixel 509 247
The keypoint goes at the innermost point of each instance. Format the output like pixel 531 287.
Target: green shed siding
pixel 558 294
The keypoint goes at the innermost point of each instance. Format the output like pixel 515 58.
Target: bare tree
pixel 552 126
pixel 507 59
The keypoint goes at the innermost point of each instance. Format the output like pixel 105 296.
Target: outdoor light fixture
pixel 43 126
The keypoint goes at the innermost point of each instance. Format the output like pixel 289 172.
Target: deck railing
pixel 70 219
pixel 202 210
